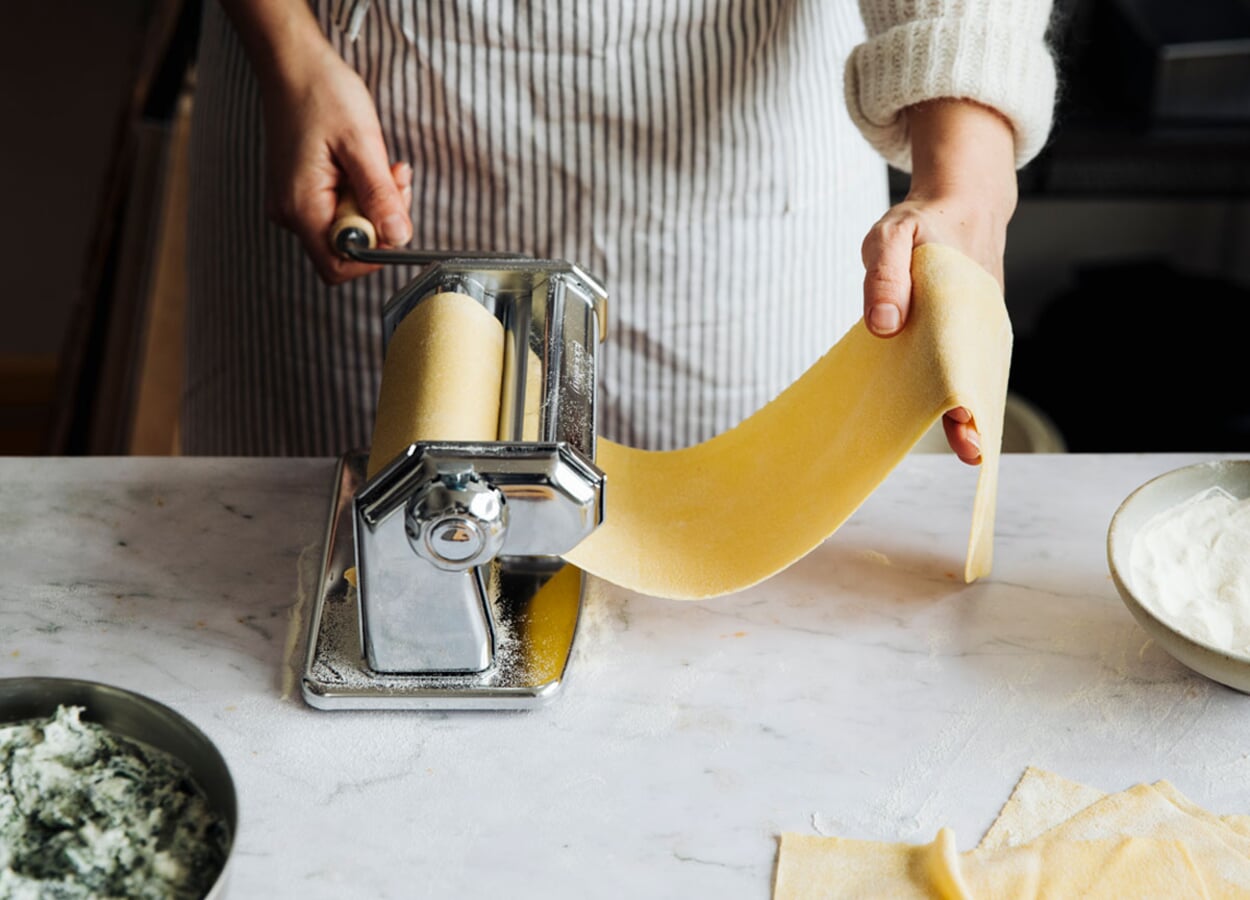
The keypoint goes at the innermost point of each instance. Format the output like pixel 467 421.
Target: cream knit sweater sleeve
pixel 990 51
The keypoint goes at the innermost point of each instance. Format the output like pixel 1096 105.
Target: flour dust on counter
pixel 87 813
pixel 308 574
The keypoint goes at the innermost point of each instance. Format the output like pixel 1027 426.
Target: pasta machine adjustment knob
pixel 456 522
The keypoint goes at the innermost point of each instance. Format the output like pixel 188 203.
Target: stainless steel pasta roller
pixel 441 585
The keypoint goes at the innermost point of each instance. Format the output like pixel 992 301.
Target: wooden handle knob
pixel 347 215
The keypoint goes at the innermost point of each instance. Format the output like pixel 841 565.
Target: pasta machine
pixel 441 585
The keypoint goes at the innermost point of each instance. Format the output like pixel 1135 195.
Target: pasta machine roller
pixel 459 598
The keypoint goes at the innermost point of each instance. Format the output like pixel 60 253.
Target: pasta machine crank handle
pixel 353 237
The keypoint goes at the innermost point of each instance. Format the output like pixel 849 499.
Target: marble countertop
pixel 866 692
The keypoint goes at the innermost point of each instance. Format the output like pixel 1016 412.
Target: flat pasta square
pixel 1053 838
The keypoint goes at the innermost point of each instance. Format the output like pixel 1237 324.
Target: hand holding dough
pixel 730 512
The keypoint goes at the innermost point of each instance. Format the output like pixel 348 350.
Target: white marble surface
pixel 866 692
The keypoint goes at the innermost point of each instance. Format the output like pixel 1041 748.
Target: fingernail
pixel 884 318
pixel 974 438
pixel 396 231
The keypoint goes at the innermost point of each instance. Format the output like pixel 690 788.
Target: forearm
pixel 963 151
pixel 963 193
pixel 281 38
pixel 992 52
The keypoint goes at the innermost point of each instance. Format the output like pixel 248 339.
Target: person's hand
pixel 322 137
pixel 963 192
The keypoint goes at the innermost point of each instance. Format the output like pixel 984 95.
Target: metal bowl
pixel 141 718
pixel 1155 496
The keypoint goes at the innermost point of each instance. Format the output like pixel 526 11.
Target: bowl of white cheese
pixel 1179 552
pixel 107 793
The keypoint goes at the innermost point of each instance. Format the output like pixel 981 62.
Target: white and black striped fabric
pixel 693 154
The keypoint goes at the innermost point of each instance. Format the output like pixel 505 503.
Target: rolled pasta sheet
pixel 442 378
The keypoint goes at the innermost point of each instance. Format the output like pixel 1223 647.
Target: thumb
pixel 377 195
pixel 887 274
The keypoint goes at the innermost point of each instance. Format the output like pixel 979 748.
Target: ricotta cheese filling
pixel 1191 566
pixel 88 813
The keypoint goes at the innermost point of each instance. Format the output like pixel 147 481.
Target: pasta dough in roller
pixel 725 514
pixel 441 380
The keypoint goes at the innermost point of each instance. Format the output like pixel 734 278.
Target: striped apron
pixel 695 155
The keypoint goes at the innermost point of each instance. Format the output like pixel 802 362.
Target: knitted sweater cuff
pixel 998 62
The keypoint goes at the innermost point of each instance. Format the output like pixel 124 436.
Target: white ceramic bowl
pixel 138 717
pixel 1156 495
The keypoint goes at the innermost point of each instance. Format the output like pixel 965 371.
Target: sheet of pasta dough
pixel 1043 800
pixel 1145 811
pixel 1040 801
pixel 734 510
pixel 1053 838
pixel 441 378
pixel 1107 868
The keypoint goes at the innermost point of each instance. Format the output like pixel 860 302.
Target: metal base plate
pixel 535 603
